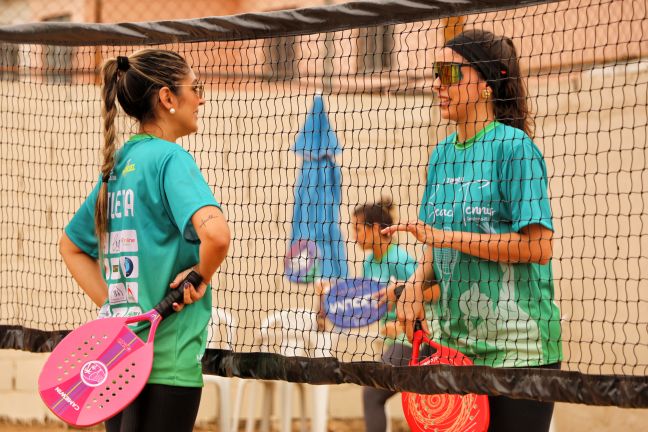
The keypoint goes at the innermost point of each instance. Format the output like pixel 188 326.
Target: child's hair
pixel 377 213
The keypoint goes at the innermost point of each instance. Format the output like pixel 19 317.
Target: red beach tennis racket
pixel 443 412
pixel 101 367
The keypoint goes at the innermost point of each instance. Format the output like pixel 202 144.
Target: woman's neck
pixel 483 115
pixel 380 249
pixel 158 132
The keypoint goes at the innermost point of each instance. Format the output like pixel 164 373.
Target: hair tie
pixel 105 178
pixel 122 63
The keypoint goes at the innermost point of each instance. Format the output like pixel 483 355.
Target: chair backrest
pixel 222 329
pixel 293 333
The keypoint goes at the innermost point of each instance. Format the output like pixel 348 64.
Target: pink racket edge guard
pixel 443 412
pixel 97 370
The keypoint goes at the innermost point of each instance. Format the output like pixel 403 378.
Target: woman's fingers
pixel 421 231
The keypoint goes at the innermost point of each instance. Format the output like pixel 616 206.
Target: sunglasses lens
pixel 448 73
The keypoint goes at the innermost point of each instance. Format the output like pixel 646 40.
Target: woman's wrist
pixel 203 279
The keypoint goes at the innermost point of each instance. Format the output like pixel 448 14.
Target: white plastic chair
pixel 223 319
pixel 290 333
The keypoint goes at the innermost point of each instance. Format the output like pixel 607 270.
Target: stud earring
pixel 486 94
pixel 172 110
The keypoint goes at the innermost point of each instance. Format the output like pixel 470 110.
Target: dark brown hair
pixel 134 81
pixel 376 213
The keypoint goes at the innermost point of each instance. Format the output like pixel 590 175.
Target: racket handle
pixel 399 290
pixel 165 307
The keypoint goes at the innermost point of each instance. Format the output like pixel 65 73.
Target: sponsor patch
pixel 117 293
pixel 131 292
pixel 123 241
pixel 129 266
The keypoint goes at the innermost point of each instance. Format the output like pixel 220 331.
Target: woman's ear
pixel 486 92
pixel 168 100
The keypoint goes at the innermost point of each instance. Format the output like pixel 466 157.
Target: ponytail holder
pixel 105 178
pixel 122 63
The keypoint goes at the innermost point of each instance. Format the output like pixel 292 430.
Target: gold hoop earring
pixel 486 94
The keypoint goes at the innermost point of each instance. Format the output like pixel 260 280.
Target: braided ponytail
pixel 109 74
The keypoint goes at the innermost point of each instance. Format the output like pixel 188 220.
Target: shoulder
pixel 160 152
pixel 445 142
pixel 166 148
pixel 514 143
pixel 442 147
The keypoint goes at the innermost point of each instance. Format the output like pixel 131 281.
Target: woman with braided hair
pixel 149 221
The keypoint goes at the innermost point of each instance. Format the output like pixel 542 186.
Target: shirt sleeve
pixel 81 229
pixel 524 186
pixel 185 191
pixel 405 266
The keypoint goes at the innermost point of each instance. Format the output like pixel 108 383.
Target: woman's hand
pixel 387 294
pixel 409 309
pixel 424 233
pixel 191 293
pixel 392 329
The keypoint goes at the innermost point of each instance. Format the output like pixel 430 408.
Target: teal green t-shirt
pixel 501 315
pixel 396 264
pixel 154 189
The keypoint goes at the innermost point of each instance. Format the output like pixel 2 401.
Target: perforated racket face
pixel 95 372
pixel 446 412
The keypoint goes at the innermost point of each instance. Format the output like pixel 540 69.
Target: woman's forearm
pixel 424 275
pixel 85 270
pixel 532 245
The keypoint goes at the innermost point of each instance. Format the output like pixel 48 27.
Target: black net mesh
pixel 587 78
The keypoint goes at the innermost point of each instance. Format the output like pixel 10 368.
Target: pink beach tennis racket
pixel 101 367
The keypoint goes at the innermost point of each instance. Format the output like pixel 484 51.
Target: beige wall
pixel 591 127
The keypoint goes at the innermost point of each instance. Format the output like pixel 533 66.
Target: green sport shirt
pixel 154 189
pixel 396 263
pixel 501 315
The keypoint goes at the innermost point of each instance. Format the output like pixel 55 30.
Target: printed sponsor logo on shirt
pixel 117 293
pixel 119 312
pixel 121 203
pixel 114 268
pixel 129 266
pixel 132 292
pixel 487 211
pixel 133 311
pixel 442 212
pixel 123 241
pixel 130 167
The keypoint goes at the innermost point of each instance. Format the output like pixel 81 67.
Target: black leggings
pixel 508 415
pixel 159 408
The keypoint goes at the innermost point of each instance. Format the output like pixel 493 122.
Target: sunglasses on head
pixel 448 72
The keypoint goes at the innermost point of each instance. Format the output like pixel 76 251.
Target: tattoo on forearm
pixel 207 219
